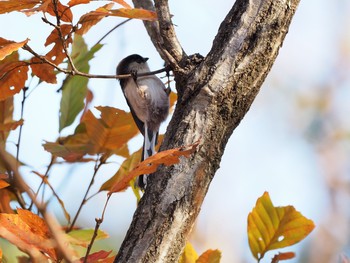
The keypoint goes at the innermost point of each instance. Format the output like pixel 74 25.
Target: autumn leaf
pixel 57 53
pixel 189 255
pixel 43 71
pixel 74 88
pixel 6 112
pixel 99 257
pixel 123 3
pixel 5 199
pixel 7 6
pixel 210 256
pixel 3 184
pixel 272 227
pixel 126 167
pixel 7 47
pixel 136 13
pixel 150 165
pixel 13 74
pixel 77 2
pixel 112 130
pixel 82 237
pixel 282 256
pixel 27 230
pixel 64 12
pixel 90 19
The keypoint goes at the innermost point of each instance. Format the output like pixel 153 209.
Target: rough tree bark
pixel 214 94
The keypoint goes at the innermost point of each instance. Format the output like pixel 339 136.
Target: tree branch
pixel 162 33
pixel 213 99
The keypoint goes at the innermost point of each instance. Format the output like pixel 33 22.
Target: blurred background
pixel 294 142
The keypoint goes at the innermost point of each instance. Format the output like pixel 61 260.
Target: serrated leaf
pixel 74 88
pixel 82 237
pixel 150 165
pixel 18 5
pixel 7 47
pixel 272 227
pixel 210 256
pixel 189 255
pixel 27 230
pixel 13 74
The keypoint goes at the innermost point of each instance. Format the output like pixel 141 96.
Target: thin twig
pixel 97 226
pixel 21 126
pixel 52 162
pixel 87 75
pixel 114 28
pixel 98 164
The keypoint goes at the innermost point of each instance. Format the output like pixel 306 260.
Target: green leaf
pixel 272 227
pixel 74 88
pixel 82 237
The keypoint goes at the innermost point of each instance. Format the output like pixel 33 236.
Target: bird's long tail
pixel 149 143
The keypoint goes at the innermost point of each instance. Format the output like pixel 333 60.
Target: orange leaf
pixel 3 184
pixel 272 227
pixel 10 125
pixel 57 54
pixel 5 199
pixel 92 18
pixel 43 71
pixel 137 13
pixel 6 112
pixel 112 131
pixel 64 12
pixel 28 230
pixel 7 47
pixel 13 74
pixel 78 2
pixel 210 256
pixel 150 165
pixel 283 256
pixel 17 5
pixel 123 3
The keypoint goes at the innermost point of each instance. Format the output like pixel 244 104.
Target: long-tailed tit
pixel 148 100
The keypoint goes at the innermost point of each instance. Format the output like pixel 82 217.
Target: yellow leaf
pixel 272 227
pixel 189 255
pixel 210 256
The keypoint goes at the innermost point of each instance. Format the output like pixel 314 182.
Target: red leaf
pixel 100 256
pixel 283 256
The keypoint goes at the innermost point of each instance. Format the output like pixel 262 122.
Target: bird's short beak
pixel 145 59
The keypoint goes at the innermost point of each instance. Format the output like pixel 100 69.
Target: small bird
pixel 148 100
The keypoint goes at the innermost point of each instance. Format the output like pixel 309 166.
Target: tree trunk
pixel 214 94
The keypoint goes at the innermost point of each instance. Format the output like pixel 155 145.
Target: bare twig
pixel 51 221
pixel 98 165
pixel 21 126
pixel 114 28
pixel 97 226
pixel 87 75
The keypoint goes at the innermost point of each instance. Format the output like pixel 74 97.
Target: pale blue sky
pixel 263 154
